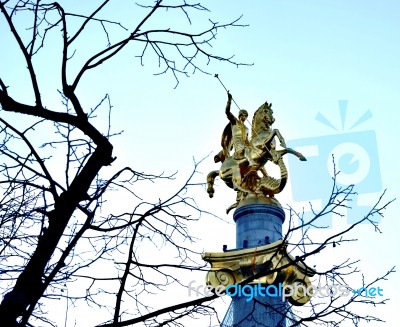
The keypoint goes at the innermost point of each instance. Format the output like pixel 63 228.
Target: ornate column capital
pixel 270 263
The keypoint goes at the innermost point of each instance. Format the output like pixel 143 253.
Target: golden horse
pixel 243 178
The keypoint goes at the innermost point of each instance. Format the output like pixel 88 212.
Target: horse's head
pixel 268 112
pixel 263 117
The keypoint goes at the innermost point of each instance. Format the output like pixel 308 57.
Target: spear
pixel 216 75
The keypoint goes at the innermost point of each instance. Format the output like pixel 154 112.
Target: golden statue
pixel 240 170
pixel 235 136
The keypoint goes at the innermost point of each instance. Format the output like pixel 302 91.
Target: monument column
pixel 258 223
pixel 260 262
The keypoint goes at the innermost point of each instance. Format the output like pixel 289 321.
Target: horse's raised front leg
pixel 280 138
pixel 289 150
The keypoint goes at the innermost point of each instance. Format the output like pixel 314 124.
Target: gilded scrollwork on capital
pixel 268 265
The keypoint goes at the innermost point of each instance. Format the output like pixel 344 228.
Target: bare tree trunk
pixel 32 282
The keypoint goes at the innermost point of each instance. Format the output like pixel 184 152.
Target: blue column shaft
pixel 257 225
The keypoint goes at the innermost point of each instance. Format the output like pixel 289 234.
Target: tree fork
pixel 29 288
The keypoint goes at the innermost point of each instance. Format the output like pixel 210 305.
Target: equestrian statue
pixel 243 160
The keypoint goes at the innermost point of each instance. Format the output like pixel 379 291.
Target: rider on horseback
pixel 235 136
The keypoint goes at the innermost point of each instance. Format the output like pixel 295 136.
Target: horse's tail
pixel 210 182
